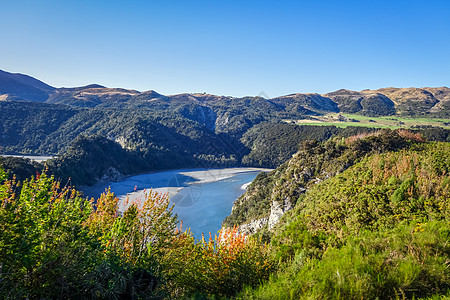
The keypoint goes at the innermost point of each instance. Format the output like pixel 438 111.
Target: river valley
pixel 202 197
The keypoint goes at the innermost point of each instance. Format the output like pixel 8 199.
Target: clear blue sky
pixel 229 47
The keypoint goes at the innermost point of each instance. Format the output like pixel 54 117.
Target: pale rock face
pixel 207 116
pixel 122 141
pixel 277 210
pixel 253 227
pixel 222 120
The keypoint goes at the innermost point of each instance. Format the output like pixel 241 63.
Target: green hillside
pixel 313 163
pixel 378 230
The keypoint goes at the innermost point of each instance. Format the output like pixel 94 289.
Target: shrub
pixel 55 244
pixel 219 266
pixel 399 263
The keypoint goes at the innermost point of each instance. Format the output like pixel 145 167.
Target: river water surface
pixel 202 198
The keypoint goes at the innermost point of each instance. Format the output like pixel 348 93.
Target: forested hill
pixel 139 131
pixel 272 194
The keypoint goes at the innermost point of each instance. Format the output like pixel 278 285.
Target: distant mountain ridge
pixel 23 87
pixel 381 102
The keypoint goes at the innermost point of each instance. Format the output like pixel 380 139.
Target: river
pixel 202 198
pixel 37 158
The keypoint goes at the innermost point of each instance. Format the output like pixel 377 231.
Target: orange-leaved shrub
pixel 220 266
pixel 409 135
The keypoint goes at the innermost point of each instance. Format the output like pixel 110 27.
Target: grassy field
pixel 393 122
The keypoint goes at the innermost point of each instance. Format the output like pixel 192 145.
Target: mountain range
pixel 380 102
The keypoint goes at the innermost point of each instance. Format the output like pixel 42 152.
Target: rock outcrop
pixel 277 210
pixel 253 226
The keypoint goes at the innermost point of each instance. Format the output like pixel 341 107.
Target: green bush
pixel 409 261
pixel 55 244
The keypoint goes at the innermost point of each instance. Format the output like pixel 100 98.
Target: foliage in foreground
pixel 55 244
pixel 409 261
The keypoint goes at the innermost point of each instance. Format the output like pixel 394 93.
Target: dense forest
pixel 92 158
